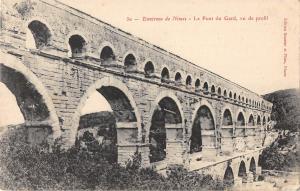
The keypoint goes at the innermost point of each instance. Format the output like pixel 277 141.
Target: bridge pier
pixel 175 148
pixel 127 136
pixel 250 138
pixel 240 144
pixel 227 140
pixel 209 149
pixel 39 132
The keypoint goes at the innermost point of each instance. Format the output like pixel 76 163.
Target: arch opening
pixel 228 179
pixel 264 121
pixel 130 62
pixel 213 89
pixel 77 45
pixel 205 87
pixel 178 78
pixel 35 112
pixel 103 110
pixel 188 81
pixel 242 171
pixel 240 120
pixel 197 85
pixel 167 112
pixel 219 91
pixel 165 76
pixel 203 121
pixel 149 68
pixel 9 109
pixel 227 118
pixel 252 167
pixel 38 35
pixel 251 121
pixel 258 120
pixel 225 93
pixel 107 55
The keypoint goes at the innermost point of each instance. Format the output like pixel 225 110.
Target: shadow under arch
pixel 167 116
pixel 252 167
pixel 203 128
pixel 32 97
pixel 121 101
pixel 242 173
pixel 228 179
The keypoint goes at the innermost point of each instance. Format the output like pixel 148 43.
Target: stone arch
pixel 10 62
pixel 203 120
pixel 80 48
pixel 178 77
pixel 225 93
pixel 227 117
pixel 159 97
pixel 130 61
pixel 252 167
pixel 213 89
pixel 258 120
pixel 188 81
pixel 165 115
pixel 242 173
pixel 228 179
pixel 109 86
pixel 41 38
pixel 219 91
pixel 205 87
pixel 230 94
pixel 165 74
pixel 264 121
pixel 149 68
pixel 251 121
pixel 197 84
pixel 240 118
pixel 107 53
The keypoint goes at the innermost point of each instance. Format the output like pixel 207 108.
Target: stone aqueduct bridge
pixel 54 57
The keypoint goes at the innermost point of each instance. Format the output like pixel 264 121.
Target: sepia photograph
pixel 150 95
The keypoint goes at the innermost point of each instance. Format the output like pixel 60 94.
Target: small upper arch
pixel 38 33
pixel 149 67
pixel 130 61
pixel 107 52
pixel 77 44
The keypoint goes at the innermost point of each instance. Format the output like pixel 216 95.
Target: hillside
pixel 286 108
pixel 103 118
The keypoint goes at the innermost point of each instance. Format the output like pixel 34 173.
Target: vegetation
pixel 282 155
pixel 23 167
pixel 286 109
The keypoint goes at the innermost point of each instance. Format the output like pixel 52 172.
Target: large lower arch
pixel 121 101
pixel 228 179
pixel 242 171
pixel 203 129
pixel 166 117
pixel 32 97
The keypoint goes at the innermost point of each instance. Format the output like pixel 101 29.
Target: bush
pixel 23 167
pixel 275 158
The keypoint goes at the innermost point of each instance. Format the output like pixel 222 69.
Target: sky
pixel 249 52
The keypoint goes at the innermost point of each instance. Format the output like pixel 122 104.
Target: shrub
pixel 24 167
